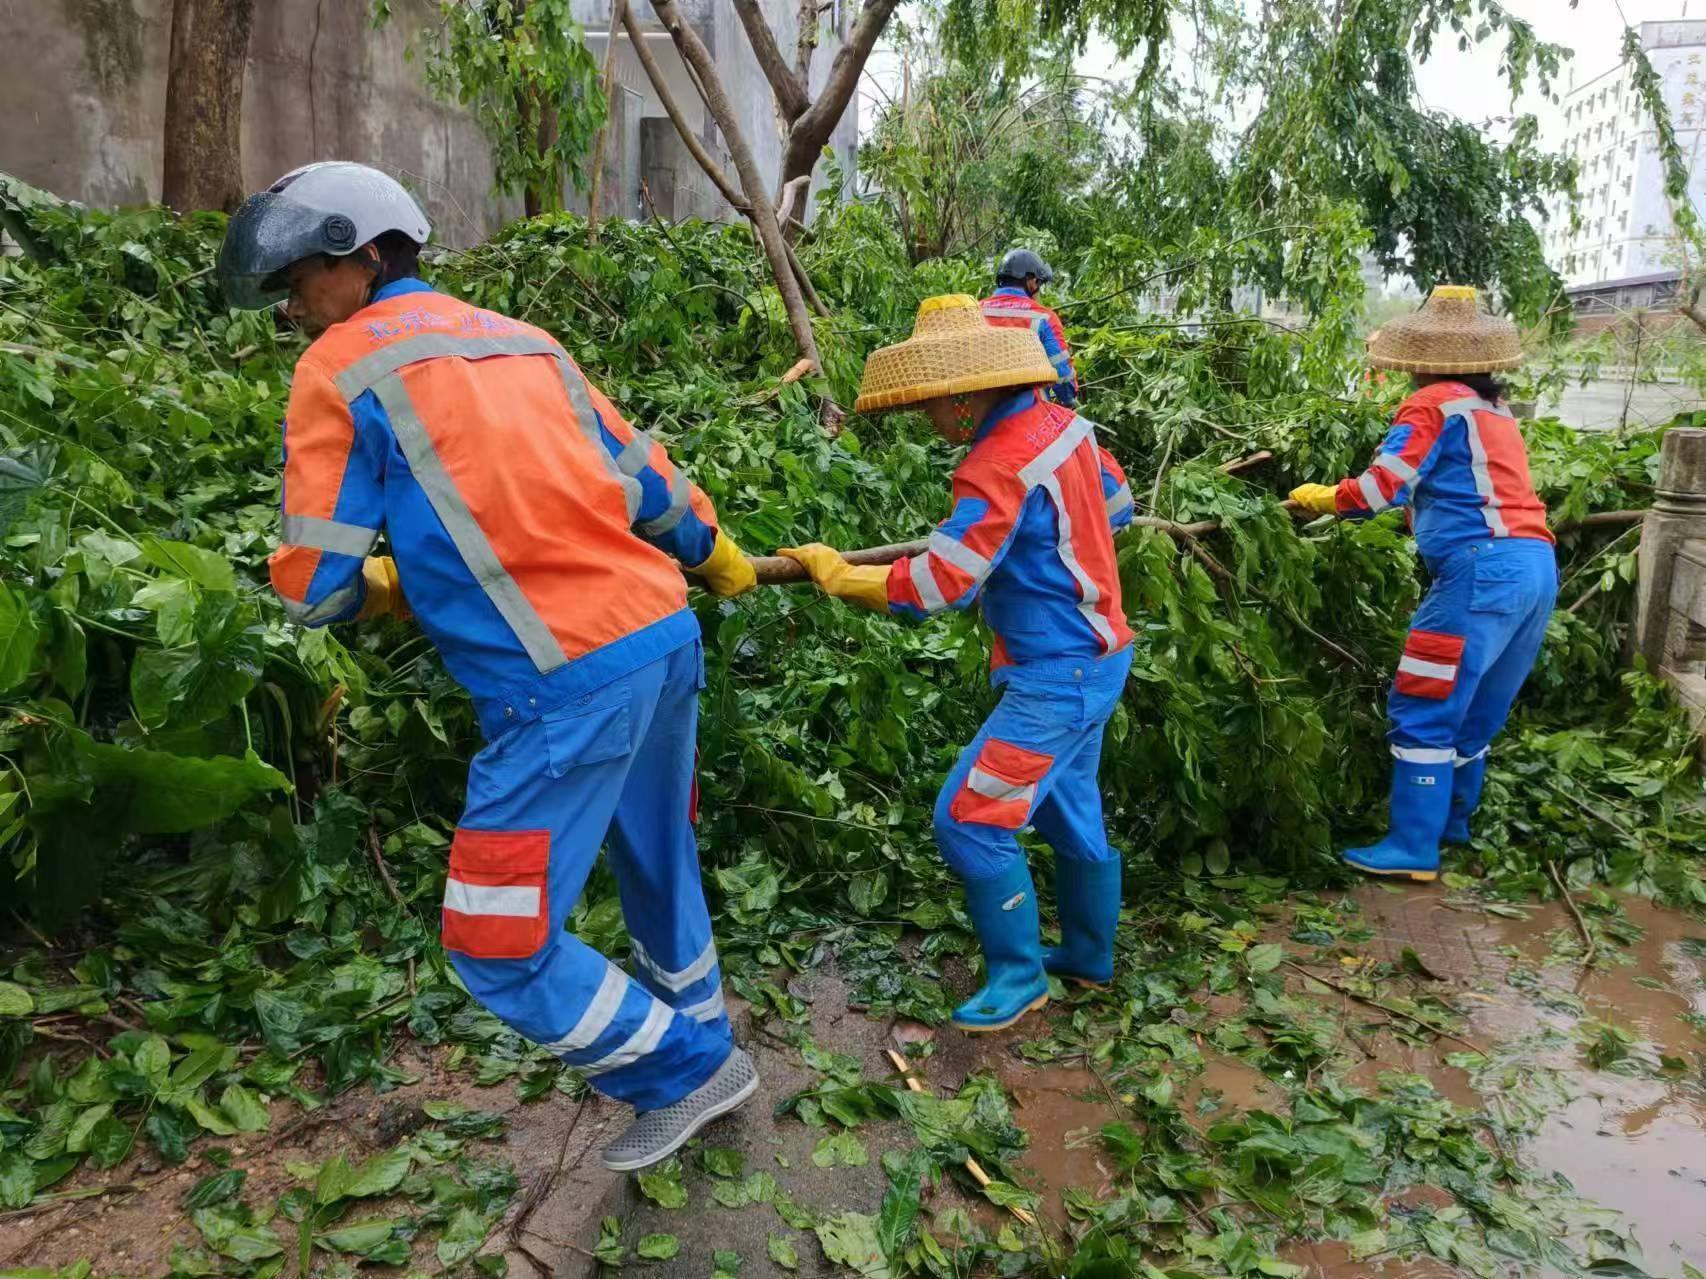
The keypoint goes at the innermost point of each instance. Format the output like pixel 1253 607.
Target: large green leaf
pixel 161 794
pixel 192 563
pixel 18 635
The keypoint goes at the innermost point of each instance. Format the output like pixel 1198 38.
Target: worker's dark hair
pixel 1488 387
pixel 399 258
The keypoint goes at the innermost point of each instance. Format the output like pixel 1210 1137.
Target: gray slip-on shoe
pixel 657 1134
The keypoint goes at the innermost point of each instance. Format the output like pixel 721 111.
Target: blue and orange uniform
pixel 1459 464
pixel 1011 307
pixel 1030 537
pixel 538 538
pixel 1036 503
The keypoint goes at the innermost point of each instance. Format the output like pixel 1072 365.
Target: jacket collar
pixel 397 288
pixel 1018 402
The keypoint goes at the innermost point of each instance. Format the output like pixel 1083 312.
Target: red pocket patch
pixel 1430 664
pixel 1001 787
pixel 494 899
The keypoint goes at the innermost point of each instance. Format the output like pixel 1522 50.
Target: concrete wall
pixel 83 95
pixel 82 99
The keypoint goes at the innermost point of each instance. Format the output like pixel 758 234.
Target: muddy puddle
pixel 1606 1070
pixel 1605 1075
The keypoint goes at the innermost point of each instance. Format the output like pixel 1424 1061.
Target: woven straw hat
pixel 953 350
pixel 1449 334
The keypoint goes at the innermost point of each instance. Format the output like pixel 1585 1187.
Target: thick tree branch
pixel 805 42
pixel 811 130
pixel 761 211
pixel 721 180
pixel 724 184
pixel 791 96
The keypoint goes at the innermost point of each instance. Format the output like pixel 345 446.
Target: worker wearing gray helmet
pixel 1018 280
pixel 540 538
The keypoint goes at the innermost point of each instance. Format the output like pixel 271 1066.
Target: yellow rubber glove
pixel 1323 499
pixel 726 571
pixel 384 591
pixel 864 584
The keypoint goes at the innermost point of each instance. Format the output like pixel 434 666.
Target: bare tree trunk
pixel 760 210
pixel 812 129
pixel 618 10
pixel 204 104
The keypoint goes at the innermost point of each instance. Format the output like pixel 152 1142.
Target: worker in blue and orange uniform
pixel 1018 280
pixel 537 537
pixel 1455 456
pixel 1030 537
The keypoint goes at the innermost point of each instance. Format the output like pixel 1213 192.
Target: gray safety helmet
pixel 1016 264
pixel 333 207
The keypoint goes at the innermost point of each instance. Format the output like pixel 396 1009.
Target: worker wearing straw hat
pixel 1455 456
pixel 1030 536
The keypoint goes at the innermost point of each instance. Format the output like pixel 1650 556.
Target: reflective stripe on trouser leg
pixel 655 858
pixel 633 1046
pixel 1035 720
pixel 1498 651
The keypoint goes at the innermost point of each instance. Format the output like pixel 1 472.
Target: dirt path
pixel 1605 1075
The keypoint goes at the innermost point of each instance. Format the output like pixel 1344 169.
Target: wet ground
pixel 1603 1074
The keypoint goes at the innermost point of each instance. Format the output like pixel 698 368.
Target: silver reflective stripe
pixel 328 535
pixel 1466 409
pixel 681 979
pixel 1049 461
pixel 1427 670
pixel 514 901
pixel 598 1015
pixel 638 1045
pixel 992 787
pixel 1398 466
pixel 1458 761
pixel 371 370
pixel 635 454
pixel 1088 594
pixel 1371 492
pixel 324 611
pixel 706 1009
pixel 680 495
pixel 924 581
pixel 1423 754
pixel 575 387
pixel 1120 500
pixel 959 555
pixel 465 531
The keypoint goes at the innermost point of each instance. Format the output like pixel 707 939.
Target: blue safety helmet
pixel 1016 264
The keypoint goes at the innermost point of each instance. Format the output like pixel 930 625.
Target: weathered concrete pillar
pixel 1671 598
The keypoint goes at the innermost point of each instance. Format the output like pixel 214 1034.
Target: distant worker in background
pixel 1036 503
pixel 538 537
pixel 1456 457
pixel 1018 280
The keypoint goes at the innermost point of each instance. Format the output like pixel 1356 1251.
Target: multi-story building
pixel 83 88
pixel 1624 251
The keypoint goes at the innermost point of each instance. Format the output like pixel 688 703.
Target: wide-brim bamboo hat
pixel 953 350
pixel 1450 333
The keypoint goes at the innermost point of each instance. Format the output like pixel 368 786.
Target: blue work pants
pixel 614 768
pixel 1472 642
pixel 1035 762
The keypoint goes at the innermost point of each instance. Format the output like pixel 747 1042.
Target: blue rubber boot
pixel 1088 895
pixel 1421 802
pixel 1003 910
pixel 1466 781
